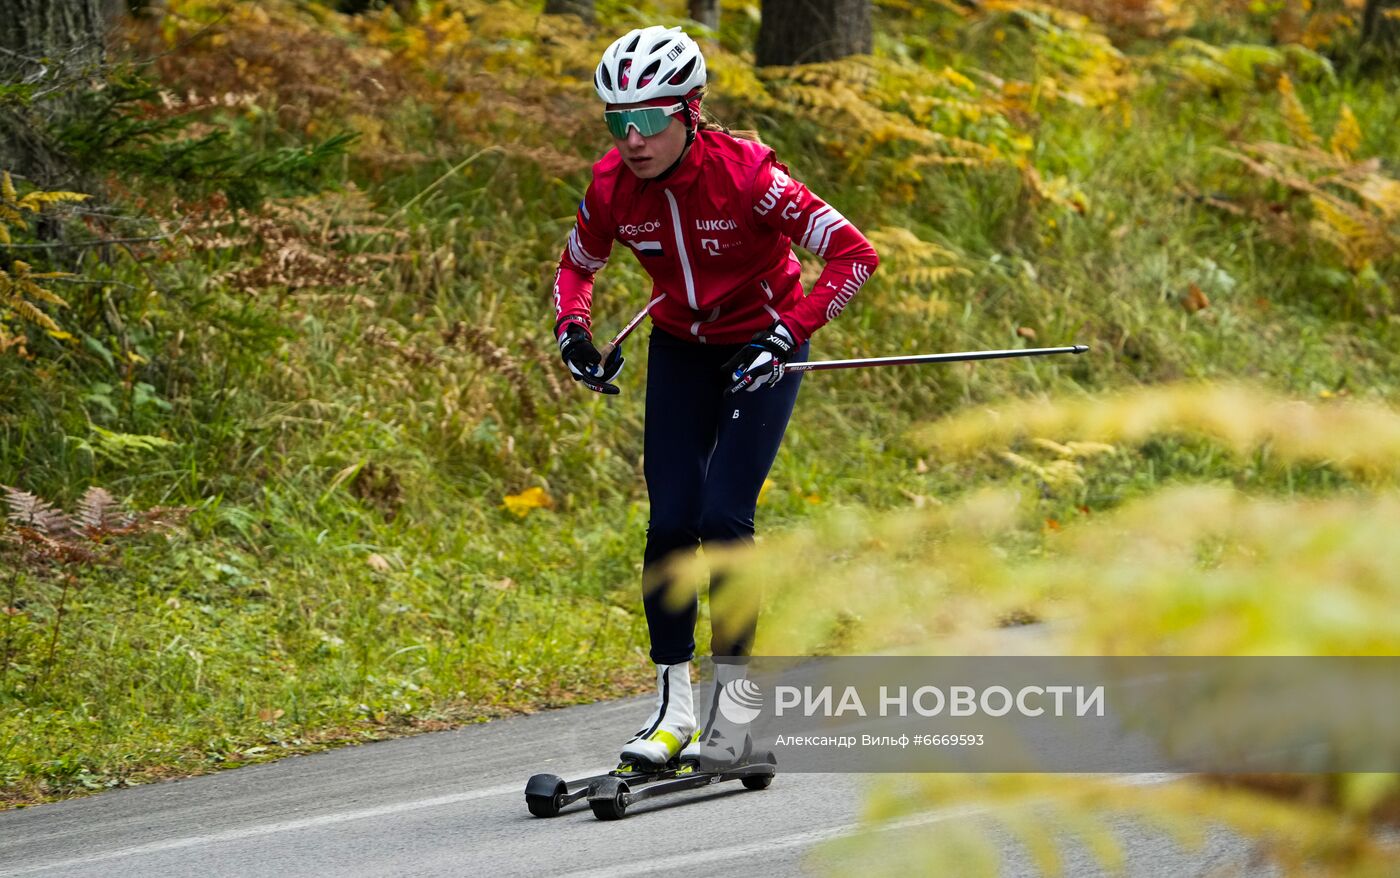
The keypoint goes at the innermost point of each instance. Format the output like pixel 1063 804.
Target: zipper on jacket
pixel 695 327
pixel 681 251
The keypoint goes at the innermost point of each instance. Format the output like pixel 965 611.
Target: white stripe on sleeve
pixel 581 257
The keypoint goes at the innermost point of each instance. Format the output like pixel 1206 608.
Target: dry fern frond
pixel 332 239
pixel 33 512
pixel 379 337
pixel 43 535
pixel 41 547
pixel 98 510
pixel 1380 192
pixel 497 359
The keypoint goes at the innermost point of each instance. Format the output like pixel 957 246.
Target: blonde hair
pixel 710 123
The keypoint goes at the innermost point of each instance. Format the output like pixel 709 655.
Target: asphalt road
pixel 452 803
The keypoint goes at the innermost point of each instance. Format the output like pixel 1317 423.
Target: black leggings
pixel 707 455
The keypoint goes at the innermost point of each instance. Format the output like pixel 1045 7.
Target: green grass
pixel 303 607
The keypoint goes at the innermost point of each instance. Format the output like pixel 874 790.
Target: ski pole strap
pixel 917 359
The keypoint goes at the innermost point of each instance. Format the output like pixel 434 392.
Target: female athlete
pixel 711 218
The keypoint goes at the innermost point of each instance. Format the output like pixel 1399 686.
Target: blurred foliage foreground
pixel 278 348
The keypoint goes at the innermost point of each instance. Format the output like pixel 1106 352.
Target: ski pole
pixel 627 330
pixel 915 359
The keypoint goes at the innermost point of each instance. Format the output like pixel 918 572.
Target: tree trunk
pixel 47 43
pixel 582 8
pixel 706 12
pixel 1381 31
pixel 70 28
pixel 807 31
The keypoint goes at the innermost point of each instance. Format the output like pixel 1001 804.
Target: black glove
pixel 584 361
pixel 761 362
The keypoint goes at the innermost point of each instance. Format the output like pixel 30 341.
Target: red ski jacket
pixel 716 238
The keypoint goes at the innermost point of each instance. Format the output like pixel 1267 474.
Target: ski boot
pixel 658 742
pixel 723 742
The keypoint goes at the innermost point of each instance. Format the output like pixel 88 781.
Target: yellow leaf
pixel 957 78
pixel 763 491
pixel 530 498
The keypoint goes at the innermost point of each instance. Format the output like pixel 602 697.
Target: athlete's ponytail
pixel 710 123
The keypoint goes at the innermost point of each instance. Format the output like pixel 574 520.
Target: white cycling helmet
pixel 650 62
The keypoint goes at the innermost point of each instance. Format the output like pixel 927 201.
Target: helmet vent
pixel 683 74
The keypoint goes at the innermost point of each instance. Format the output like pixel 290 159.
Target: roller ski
pixel 654 762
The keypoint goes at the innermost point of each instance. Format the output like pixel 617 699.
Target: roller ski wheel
pixel 546 795
pixel 610 798
pixel 761 781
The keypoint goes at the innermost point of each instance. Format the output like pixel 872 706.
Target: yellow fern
pixel 1346 137
pixel 1354 204
pixel 1295 115
pixel 930 275
pixel 19 287
pixel 1356 233
pixel 13 206
pixel 911 263
pixel 1058 191
pixel 899 104
pixel 19 291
